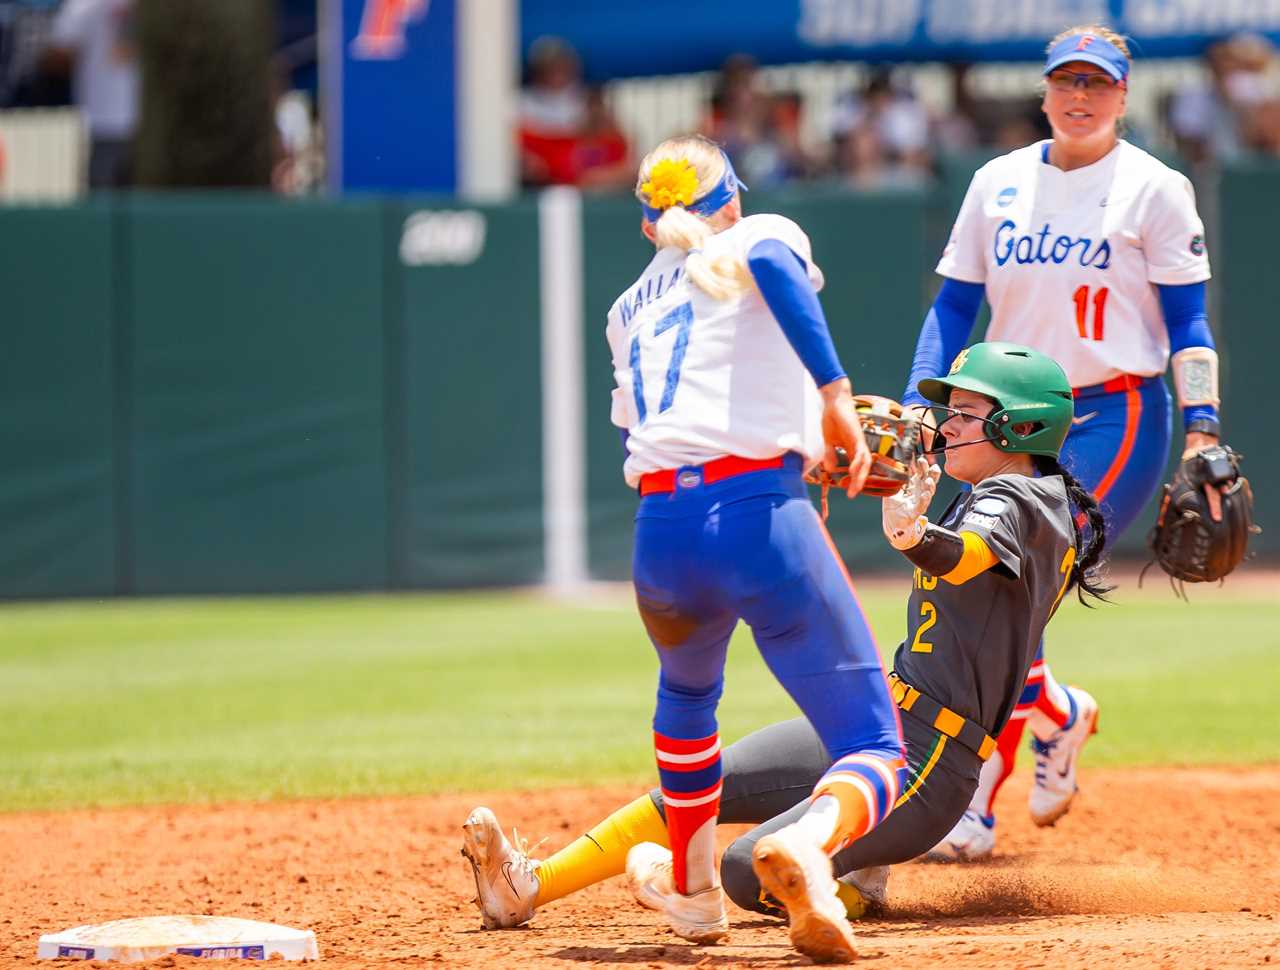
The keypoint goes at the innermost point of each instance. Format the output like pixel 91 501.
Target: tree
pixel 207 92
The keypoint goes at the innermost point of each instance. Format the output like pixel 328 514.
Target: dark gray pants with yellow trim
pixel 769 775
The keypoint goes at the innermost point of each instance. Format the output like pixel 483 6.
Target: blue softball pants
pixel 752 548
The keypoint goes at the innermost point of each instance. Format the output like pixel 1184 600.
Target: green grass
pixel 195 700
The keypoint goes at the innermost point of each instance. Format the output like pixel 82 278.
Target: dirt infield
pixel 1176 868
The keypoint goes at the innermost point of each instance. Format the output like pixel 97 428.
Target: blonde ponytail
pixel 721 278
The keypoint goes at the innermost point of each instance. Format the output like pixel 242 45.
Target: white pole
pixel 488 58
pixel 563 392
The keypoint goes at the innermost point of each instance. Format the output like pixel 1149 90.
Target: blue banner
pixel 625 39
pixel 390 91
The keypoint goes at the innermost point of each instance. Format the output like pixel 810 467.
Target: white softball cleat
pixel 864 892
pixel 797 873
pixel 650 875
pixel 1057 759
pixel 506 885
pixel 699 918
pixel 972 839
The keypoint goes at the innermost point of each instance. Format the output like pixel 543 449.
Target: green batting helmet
pixel 1028 388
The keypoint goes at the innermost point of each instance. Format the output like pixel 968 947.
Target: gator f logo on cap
pixel 382 27
pixel 1084 42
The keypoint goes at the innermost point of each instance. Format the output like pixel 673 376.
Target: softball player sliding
pixel 1091 251
pixel 727 386
pixel 988 578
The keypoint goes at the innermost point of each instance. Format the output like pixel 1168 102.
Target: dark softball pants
pixel 769 775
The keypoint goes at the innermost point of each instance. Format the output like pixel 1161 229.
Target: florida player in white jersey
pixel 728 389
pixel 1091 251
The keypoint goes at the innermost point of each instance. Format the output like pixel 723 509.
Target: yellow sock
pixel 602 852
pixel 855 904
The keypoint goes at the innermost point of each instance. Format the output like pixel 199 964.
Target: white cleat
pixel 864 892
pixel 699 918
pixel 506 885
pixel 798 874
pixel 650 875
pixel 972 839
pixel 1057 759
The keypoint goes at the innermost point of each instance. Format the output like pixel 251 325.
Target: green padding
pixel 614 254
pixel 470 446
pixel 872 250
pixel 258 396
pixel 1247 332
pixel 57 492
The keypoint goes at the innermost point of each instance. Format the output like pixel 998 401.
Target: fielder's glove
pixel 894 441
pixel 1186 541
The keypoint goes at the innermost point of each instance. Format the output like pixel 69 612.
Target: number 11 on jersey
pixel 682 318
pixel 1081 298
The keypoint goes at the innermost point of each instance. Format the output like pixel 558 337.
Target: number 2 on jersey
pixel 929 613
pixel 1081 298
pixel 681 317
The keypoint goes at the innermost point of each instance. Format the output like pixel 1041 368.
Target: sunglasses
pixel 1063 80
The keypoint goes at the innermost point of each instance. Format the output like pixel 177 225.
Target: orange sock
pixel 866 788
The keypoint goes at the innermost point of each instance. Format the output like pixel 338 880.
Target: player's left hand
pixel 1196 442
pixel 842 429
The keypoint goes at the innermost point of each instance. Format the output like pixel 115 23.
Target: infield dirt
pixel 1156 867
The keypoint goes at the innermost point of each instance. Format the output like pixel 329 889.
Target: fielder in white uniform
pixel 728 388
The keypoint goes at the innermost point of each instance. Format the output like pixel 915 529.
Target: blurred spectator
pixel 567 135
pixel 24 34
pixel 553 109
pixel 958 129
pixel 881 136
pixel 95 42
pixel 602 156
pixel 1230 117
pixel 760 132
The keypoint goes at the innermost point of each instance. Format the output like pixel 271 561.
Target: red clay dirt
pixel 1160 867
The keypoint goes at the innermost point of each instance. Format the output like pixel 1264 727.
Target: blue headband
pixel 713 201
pixel 1091 49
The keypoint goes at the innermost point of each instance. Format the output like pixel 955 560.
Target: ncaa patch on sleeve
pixel 989 505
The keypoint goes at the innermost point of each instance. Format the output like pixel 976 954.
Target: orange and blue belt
pixel 1125 382
pixel 716 470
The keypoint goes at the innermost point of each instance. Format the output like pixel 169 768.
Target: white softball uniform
pixel 699 378
pixel 1070 259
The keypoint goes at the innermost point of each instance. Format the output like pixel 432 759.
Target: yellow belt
pixel 925 708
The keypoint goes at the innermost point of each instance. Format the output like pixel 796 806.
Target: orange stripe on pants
pixel 1132 417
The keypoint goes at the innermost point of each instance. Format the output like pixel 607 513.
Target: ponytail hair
pixel 1084 576
pixel 721 278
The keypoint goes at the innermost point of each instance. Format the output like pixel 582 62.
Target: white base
pixel 148 937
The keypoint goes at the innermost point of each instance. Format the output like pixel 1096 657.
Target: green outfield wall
pixel 233 393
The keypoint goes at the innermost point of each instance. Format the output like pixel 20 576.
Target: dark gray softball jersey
pixel 971 639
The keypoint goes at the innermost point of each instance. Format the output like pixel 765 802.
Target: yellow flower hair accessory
pixel 673 181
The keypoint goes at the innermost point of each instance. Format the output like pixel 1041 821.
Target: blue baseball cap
pixel 1091 49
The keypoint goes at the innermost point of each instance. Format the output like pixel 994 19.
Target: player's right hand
pixel 901 513
pixel 842 429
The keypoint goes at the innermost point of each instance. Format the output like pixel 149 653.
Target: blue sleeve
pixel 784 283
pixel 945 331
pixel 1187 321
